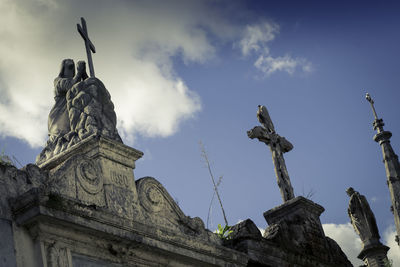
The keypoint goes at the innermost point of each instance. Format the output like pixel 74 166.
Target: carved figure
pixel 278 145
pixel 57 256
pixel 58 121
pixel 91 111
pixel 362 217
pixel 264 119
pixel 268 138
pixel 83 108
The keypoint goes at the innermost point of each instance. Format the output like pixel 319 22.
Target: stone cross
pixel 278 145
pixel 88 44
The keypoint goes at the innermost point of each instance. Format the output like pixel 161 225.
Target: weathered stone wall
pixel 7 254
pixel 84 208
pixel 294 237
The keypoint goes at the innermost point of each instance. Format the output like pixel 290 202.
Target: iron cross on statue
pixel 88 44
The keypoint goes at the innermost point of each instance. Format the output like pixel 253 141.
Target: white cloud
pixel 135 43
pixel 347 239
pixel 269 65
pixel 374 199
pixel 256 39
pixel 388 237
pixel 350 243
pixel 262 230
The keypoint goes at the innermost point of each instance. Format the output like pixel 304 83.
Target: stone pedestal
pixel 299 221
pixel 296 227
pixel 294 237
pixel 97 171
pixel 374 255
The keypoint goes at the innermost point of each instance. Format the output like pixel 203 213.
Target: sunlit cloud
pixel 389 237
pixel 269 65
pixel 137 43
pixel 256 39
pixel 350 242
pixel 134 59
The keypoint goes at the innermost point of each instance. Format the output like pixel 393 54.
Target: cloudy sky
pixel 180 72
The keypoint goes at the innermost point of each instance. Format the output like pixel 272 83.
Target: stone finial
pixel 392 165
pixel 378 123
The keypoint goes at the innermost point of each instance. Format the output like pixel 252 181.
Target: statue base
pixel 374 255
pixel 294 237
pixel 97 171
pixel 299 206
pixel 298 224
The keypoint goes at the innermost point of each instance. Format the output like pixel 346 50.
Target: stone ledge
pixel 268 252
pixel 373 249
pixel 293 206
pixel 95 146
pixel 36 207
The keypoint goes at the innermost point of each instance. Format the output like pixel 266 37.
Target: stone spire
pixel 392 166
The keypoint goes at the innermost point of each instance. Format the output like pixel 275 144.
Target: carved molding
pixel 89 175
pixel 154 198
pixel 160 207
pixel 58 256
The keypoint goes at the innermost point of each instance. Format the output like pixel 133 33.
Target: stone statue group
pixel 82 108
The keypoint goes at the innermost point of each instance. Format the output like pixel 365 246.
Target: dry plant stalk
pixel 204 155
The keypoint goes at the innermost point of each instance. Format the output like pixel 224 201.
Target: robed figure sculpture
pixel 58 121
pixel 362 217
pixel 82 108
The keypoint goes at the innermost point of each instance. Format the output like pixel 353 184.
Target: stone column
pixel 392 166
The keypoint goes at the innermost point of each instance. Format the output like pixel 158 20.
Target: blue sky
pixel 180 72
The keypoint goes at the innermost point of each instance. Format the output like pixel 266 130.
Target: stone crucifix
pixel 88 44
pixel 278 145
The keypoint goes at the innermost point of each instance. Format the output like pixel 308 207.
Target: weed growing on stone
pixel 224 232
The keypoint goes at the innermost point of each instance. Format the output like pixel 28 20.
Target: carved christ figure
pixel 264 118
pixel 362 217
pixel 278 145
pixel 58 121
